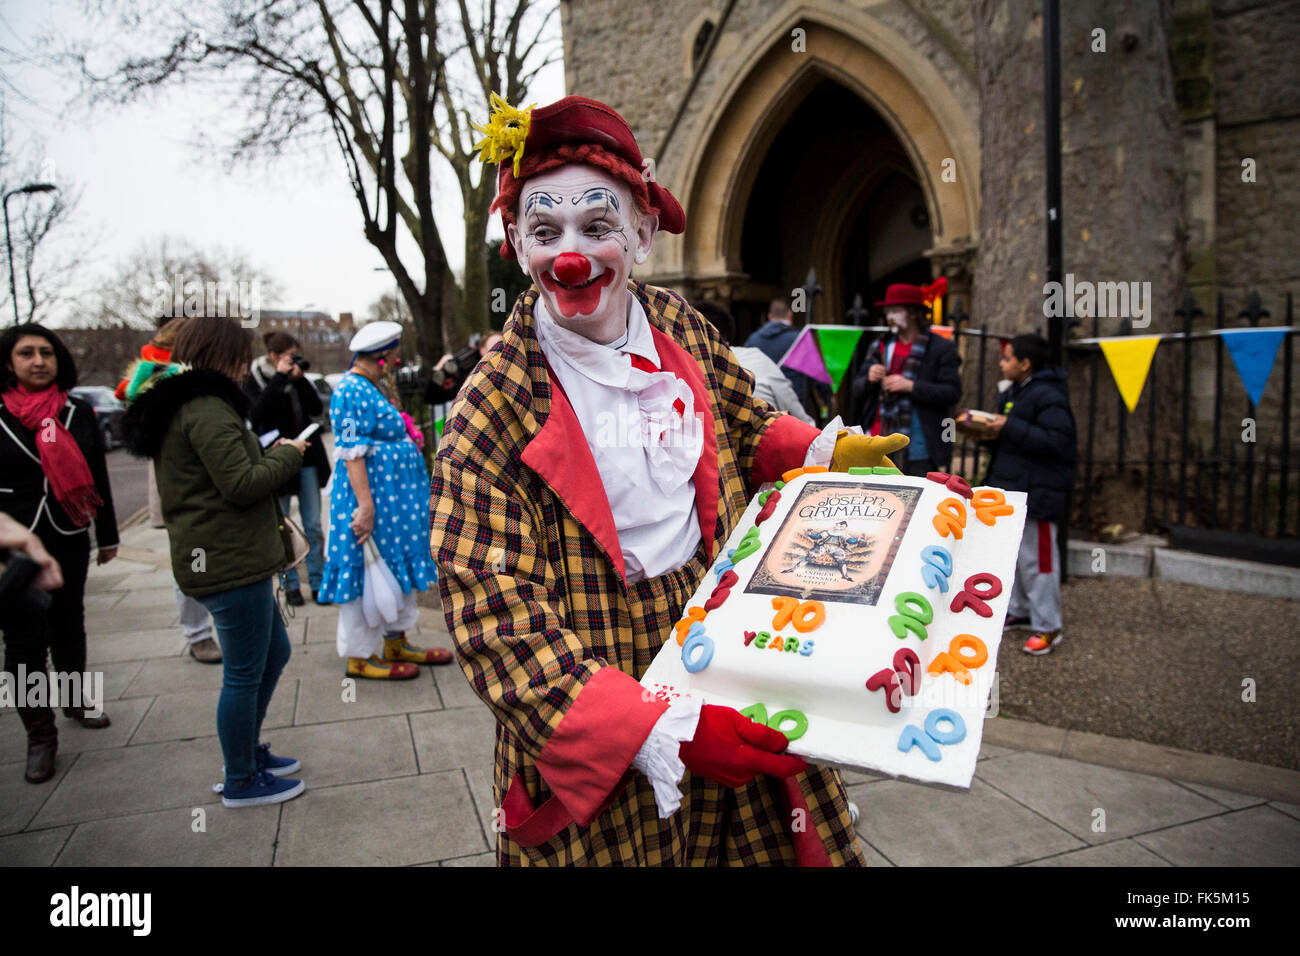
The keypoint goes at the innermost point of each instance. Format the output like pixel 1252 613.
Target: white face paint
pixel 577 233
pixel 896 316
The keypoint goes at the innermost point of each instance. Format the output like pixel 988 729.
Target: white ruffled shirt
pixel 646 452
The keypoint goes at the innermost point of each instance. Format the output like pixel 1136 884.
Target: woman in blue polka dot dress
pixel 381 488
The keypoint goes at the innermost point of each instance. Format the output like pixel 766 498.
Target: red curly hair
pixel 592 154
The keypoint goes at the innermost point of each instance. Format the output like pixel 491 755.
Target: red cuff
pixel 588 754
pixel 783 446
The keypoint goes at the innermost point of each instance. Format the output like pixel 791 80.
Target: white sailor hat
pixel 376 337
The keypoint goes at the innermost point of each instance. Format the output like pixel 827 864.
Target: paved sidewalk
pixel 402 776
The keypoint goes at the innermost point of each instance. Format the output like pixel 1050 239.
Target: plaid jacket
pixel 546 627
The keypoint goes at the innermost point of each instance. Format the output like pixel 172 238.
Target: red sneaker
pixel 1042 642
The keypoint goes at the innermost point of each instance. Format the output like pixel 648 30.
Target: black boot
pixel 79 715
pixel 42 743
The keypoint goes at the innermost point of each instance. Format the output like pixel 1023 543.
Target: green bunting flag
pixel 837 347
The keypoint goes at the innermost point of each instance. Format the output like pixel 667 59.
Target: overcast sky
pixel 143 176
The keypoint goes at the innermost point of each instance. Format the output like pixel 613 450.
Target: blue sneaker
pixel 275 766
pixel 261 789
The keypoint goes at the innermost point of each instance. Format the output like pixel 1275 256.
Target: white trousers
pixel 356 638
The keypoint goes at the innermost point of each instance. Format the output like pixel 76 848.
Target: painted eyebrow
pixel 597 194
pixel 544 199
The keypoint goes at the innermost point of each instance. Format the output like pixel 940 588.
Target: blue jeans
pixel 254 650
pixel 309 510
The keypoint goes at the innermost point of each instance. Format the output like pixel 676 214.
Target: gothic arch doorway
pixel 832 159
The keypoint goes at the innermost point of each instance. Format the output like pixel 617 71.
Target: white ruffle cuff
pixel 658 759
pixel 822 448
pixel 353 452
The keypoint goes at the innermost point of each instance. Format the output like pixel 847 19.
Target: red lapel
pixel 560 454
pixel 673 358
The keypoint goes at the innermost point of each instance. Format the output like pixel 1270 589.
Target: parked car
pixel 108 411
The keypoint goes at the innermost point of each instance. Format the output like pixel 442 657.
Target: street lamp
pixel 9 244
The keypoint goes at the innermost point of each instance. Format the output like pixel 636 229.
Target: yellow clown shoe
pixel 397 649
pixel 375 669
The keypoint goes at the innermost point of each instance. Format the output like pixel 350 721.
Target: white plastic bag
pixel 381 595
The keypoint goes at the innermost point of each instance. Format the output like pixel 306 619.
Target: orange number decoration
pixel 972 643
pixel 945 663
pixel 951 518
pixel 805 616
pixel 954 662
pixel 809 616
pixel 692 615
pixel 990 504
pixel 784 607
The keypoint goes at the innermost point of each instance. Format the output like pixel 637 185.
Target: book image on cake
pixel 837 542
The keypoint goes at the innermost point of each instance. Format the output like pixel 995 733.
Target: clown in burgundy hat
pixel 595 464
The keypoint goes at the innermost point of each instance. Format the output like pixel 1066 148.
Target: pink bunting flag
pixel 804 356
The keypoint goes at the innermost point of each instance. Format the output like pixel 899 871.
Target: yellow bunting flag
pixel 1129 358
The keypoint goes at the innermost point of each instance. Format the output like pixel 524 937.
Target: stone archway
pixel 735 131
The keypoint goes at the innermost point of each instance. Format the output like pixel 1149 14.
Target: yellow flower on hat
pixel 505 132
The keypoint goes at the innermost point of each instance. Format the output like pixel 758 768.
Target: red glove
pixel 730 749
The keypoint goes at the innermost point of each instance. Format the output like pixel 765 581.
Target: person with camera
pixel 284 400
pixel 452 370
pixel 56 484
pixel 218 490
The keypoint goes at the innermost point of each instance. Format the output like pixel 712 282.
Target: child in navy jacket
pixel 1034 451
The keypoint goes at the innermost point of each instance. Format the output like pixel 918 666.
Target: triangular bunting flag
pixel 1254 352
pixel 837 351
pixel 1129 358
pixel 805 357
pixel 437 427
pixel 944 330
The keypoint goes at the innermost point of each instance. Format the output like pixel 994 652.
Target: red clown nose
pixel 572 268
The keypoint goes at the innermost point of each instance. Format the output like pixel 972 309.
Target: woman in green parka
pixel 217 488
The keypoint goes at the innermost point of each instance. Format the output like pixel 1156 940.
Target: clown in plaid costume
pixel 565 559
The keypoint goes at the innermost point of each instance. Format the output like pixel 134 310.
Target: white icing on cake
pixel 856 569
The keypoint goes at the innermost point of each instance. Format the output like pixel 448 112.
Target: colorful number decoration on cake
pixel 914 613
pixel 977 592
pixel 758 714
pixel 722 591
pixel 768 505
pixel 693 616
pixel 748 545
pixel 901 681
pixel 932 736
pixel 936 567
pixel 952 482
pixel 954 661
pixel 990 504
pixel 697 641
pixel 951 518
pixel 800 723
pixel 804 615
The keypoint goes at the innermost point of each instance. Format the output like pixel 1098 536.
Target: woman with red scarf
pixel 55 482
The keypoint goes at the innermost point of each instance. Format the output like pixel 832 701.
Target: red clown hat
pixel 572 130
